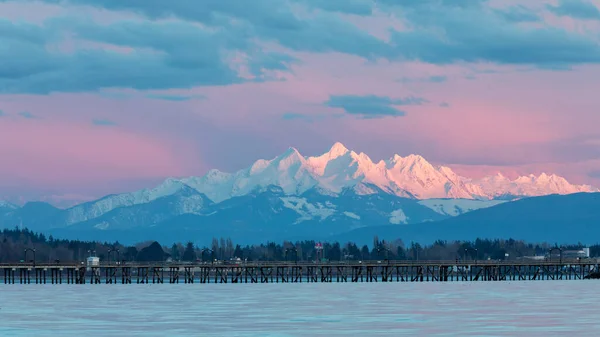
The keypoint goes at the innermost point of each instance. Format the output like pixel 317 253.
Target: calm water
pixel 544 308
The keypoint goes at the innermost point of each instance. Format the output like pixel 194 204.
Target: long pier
pixel 297 272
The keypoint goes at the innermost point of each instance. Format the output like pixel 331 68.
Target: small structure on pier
pixel 582 253
pixel 92 261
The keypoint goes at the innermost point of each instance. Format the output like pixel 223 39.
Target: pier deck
pixel 297 272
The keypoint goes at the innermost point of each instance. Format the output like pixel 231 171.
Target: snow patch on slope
pixel 352 215
pixel 306 210
pixel 454 207
pixel 102 225
pixel 398 217
pixel 7 205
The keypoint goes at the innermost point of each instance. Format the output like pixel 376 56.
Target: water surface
pixel 529 308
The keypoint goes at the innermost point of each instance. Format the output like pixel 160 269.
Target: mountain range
pixel 339 168
pixel 288 197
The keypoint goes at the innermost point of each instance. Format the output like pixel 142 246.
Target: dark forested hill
pixel 553 218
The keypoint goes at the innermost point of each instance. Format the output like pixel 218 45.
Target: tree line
pixel 22 245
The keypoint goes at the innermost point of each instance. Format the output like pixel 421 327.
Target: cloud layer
pixel 372 106
pixel 221 42
pixel 216 84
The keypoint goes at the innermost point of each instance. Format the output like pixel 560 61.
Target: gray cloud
pixel 438 79
pixel 289 116
pixel 170 60
pixel 519 13
pixel 270 20
pixel 431 79
pixel 449 35
pixel 27 115
pixel 103 122
pixel 183 54
pixel 271 61
pixel 594 174
pixel 2 113
pixel 407 4
pixel 356 7
pixel 175 98
pixel 293 116
pixel 165 55
pixel 446 31
pixel 372 106
pixel 576 8
pixel 444 105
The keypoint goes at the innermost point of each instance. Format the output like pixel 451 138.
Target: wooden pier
pixel 300 272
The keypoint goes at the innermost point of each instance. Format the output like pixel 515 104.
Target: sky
pixel 107 96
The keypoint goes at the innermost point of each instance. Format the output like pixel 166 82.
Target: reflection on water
pixel 545 308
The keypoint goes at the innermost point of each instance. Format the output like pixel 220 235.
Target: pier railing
pixel 183 264
pixel 297 272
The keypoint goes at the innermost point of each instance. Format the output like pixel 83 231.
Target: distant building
pixel 93 261
pixel 535 258
pixel 586 250
pixel 573 254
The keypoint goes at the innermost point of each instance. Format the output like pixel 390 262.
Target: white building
pixel 93 261
pixel 582 253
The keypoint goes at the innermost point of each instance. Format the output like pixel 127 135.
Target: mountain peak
pixel 338 149
pixel 290 151
pixel 291 155
pixel 415 158
pixel 409 162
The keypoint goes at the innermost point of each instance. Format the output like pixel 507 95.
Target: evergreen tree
pixel 153 253
pixel 364 253
pixel 335 253
pixel 175 252
pixel 238 252
pixel 189 254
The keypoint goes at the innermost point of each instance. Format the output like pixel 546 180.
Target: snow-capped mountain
pixel 93 209
pixel 325 178
pixel 339 168
pixel 531 185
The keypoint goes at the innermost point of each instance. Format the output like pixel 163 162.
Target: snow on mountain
pixel 7 205
pixel 94 209
pixel 339 168
pixel 288 171
pixel 185 201
pixel 455 207
pixel 307 210
pixel 263 213
pixel 499 185
pixel 414 174
pixel 398 217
